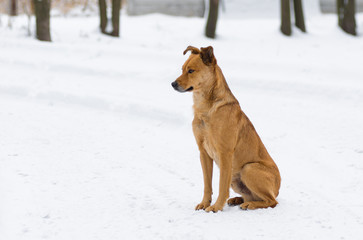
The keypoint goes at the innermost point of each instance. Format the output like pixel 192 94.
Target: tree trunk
pixel 285 17
pixel 116 6
pixel 13 7
pixel 346 16
pixel 299 15
pixel 349 19
pixel 103 15
pixel 210 30
pixel 42 15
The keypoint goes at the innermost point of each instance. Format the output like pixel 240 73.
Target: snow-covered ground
pixel 95 144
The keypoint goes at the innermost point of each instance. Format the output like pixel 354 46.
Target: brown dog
pixel 225 134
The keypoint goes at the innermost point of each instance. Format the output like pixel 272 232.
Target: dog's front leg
pixel 224 183
pixel 207 167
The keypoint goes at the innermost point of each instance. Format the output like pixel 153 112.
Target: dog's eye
pixel 190 71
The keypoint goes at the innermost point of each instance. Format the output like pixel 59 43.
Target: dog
pixel 225 135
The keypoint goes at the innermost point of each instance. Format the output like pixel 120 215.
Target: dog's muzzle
pixel 178 88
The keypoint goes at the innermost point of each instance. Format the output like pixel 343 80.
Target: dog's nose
pixel 174 85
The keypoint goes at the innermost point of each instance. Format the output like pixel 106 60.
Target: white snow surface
pixel 95 143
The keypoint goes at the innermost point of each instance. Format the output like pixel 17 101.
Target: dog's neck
pixel 217 95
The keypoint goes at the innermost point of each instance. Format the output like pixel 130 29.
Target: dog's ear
pixel 193 49
pixel 207 56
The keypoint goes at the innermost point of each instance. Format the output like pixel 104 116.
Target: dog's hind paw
pixel 258 204
pixel 235 201
pixel 247 205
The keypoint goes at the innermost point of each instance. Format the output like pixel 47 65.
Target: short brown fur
pixel 226 136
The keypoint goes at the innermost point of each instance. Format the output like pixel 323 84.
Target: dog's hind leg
pixel 259 204
pixel 236 185
pixel 262 184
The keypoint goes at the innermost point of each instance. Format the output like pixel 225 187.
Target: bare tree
pixel 116 6
pixel 103 15
pixel 86 6
pixel 42 16
pixel 28 8
pixel 346 16
pixel 299 15
pixel 210 29
pixel 13 8
pixel 286 16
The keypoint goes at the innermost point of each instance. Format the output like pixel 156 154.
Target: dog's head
pixel 197 70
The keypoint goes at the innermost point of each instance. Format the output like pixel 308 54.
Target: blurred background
pixel 345 11
pixel 96 144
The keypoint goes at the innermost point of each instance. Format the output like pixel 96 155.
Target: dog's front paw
pixel 214 208
pixel 202 205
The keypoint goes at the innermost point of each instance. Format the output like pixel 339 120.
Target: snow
pixel 95 143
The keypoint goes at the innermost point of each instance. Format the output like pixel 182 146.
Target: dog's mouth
pixel 178 88
pixel 189 89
